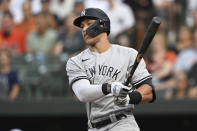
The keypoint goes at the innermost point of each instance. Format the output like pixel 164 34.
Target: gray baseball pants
pixel 125 124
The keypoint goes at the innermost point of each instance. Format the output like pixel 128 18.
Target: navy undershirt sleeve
pixel 149 82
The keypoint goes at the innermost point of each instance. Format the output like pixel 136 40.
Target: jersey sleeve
pixel 141 74
pixel 75 70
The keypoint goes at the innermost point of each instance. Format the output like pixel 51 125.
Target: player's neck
pixel 101 46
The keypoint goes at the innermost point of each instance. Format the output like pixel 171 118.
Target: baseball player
pixel 97 76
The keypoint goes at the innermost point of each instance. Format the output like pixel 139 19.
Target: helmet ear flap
pixel 101 22
pixel 95 28
pixel 106 25
pixel 104 22
pixel 99 26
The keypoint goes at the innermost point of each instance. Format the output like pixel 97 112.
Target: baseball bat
pixel 148 37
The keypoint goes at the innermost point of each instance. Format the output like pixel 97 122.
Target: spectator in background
pixel 192 71
pixel 144 10
pixel 78 7
pixel 28 24
pixel 44 38
pixel 162 59
pixel 184 38
pixel 51 18
pixel 186 52
pixel 13 6
pixel 16 10
pixel 192 76
pixel 165 9
pixel 191 5
pixel 11 37
pixel 121 16
pixel 61 8
pixel 4 6
pixel 9 82
pixel 180 86
pixel 186 64
pixel 70 39
pixel 162 6
pixel 101 4
pixel 194 16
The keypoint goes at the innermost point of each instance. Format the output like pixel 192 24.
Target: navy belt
pixel 107 121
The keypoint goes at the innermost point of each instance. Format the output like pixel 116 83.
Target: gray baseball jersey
pixel 112 65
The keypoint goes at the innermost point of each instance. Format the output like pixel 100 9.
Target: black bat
pixel 148 37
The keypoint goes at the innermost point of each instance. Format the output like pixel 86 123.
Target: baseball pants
pixel 125 124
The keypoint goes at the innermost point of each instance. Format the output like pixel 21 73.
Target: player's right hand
pixel 118 89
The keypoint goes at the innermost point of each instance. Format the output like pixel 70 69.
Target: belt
pixel 107 121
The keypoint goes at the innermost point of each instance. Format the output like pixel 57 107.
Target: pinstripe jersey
pixel 112 65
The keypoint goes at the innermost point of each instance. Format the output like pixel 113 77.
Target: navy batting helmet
pixel 96 14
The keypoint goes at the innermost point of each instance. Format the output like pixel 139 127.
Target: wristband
pixel 106 88
pixel 135 97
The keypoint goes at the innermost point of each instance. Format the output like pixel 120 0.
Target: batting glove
pixel 118 89
pixel 121 100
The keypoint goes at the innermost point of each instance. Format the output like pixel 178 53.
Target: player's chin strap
pixel 96 28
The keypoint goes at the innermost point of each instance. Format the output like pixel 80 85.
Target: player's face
pixel 84 25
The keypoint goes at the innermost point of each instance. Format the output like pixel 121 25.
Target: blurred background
pixel 37 38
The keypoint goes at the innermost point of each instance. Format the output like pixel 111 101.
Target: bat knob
pixel 157 19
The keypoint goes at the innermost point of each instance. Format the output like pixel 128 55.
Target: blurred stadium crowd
pixel 37 37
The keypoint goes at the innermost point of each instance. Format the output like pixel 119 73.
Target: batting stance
pixel 97 76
